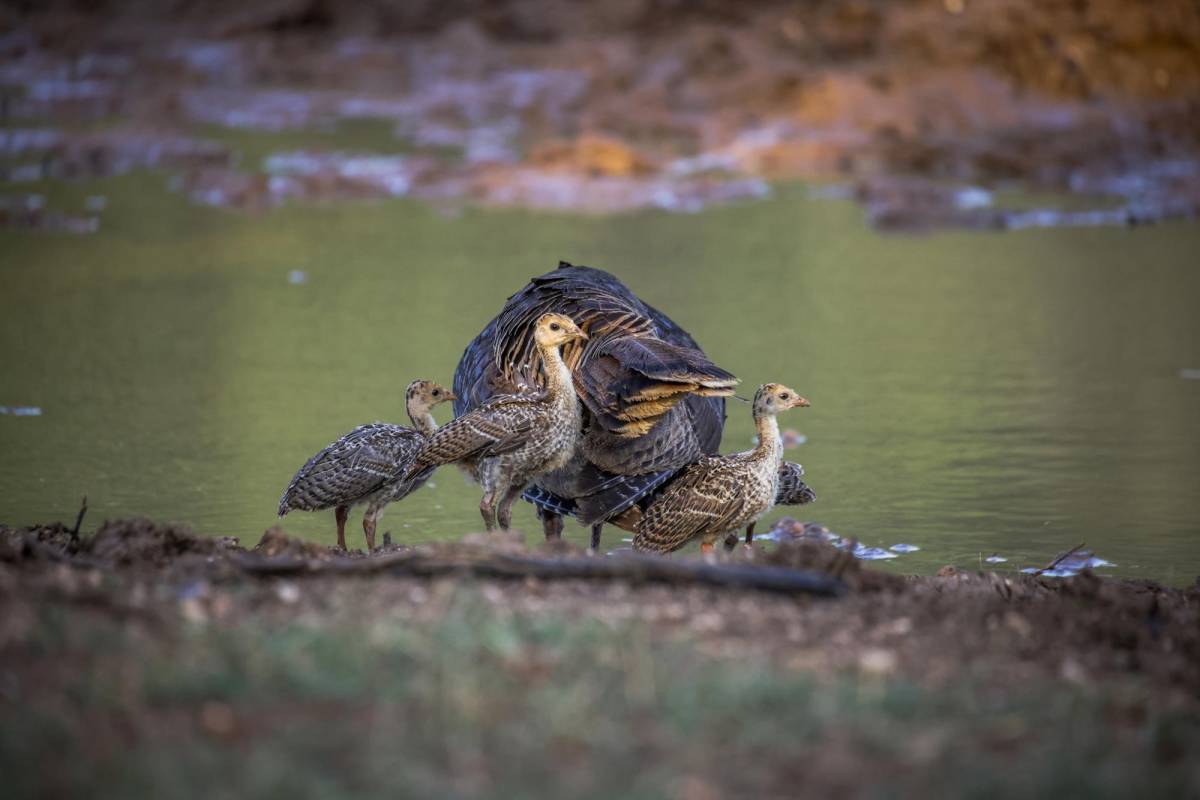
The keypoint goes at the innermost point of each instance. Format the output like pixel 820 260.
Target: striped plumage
pixel 370 464
pixel 511 439
pixel 790 491
pixel 793 491
pixel 719 494
pixel 652 401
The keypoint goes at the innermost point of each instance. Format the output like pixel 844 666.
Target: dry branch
pixel 1061 558
pixel 635 569
pixel 78 521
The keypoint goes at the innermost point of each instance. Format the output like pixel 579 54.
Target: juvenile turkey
pixel 719 494
pixel 791 490
pixel 513 438
pixel 367 465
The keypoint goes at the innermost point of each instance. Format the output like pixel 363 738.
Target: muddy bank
pixel 146 660
pixel 1088 630
pixel 928 113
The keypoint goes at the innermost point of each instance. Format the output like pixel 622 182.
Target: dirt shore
pixel 989 656
pixel 927 628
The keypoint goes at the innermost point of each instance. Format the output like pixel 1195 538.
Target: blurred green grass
pixel 486 703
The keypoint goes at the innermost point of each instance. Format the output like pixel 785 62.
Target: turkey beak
pixel 800 402
pixel 580 335
pixel 450 396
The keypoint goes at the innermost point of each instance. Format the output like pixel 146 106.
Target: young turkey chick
pixel 511 439
pixel 719 494
pixel 370 464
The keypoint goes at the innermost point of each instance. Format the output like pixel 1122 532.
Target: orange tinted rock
pixel 592 154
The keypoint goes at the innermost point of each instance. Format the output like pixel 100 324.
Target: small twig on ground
pixel 1061 558
pixel 78 521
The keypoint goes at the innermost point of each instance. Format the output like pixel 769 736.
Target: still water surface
pixel 972 393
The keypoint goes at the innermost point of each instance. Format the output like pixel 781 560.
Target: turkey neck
pixel 421 418
pixel 558 376
pixel 769 447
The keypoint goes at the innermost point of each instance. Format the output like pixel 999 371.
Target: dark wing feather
pixel 663 361
pixel 669 331
pixel 621 493
pixel 352 467
pixel 476 373
pixel 708 421
pixel 629 382
pixel 548 501
pixel 589 493
pixel 792 490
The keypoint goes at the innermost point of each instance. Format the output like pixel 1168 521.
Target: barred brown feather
pixel 790 491
pixel 371 464
pixel 355 466
pixel 500 426
pixel 710 498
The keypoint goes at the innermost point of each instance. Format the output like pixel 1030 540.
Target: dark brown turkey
pixel 652 401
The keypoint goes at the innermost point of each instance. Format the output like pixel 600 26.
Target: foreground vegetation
pixel 146 664
pixel 482 704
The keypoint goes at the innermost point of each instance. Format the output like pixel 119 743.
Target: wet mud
pixel 930 630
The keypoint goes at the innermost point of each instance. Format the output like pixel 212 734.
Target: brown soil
pixel 930 630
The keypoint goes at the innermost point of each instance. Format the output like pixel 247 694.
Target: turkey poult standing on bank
pixel 790 490
pixel 511 439
pixel 369 464
pixel 719 494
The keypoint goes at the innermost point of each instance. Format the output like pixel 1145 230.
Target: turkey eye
pixel 553 326
pixel 783 396
pixel 437 392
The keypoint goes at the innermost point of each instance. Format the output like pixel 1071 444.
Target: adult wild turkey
pixel 652 401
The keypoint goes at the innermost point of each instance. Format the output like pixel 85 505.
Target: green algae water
pixel 972 393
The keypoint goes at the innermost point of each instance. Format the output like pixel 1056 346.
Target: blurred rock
pixel 591 155
pixel 29 212
pixel 923 107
